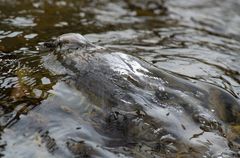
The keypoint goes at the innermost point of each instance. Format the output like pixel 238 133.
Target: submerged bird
pixel 178 111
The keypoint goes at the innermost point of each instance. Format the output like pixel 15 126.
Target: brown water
pixel 40 116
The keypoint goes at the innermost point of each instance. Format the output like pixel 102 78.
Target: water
pixel 41 116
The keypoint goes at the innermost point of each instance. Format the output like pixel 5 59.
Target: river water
pixel 197 40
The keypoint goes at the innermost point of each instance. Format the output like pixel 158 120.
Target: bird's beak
pixel 47 46
pixel 50 45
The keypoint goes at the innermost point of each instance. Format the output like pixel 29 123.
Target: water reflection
pixel 197 40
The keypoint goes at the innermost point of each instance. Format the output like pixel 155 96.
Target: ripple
pixel 30 36
pixel 21 22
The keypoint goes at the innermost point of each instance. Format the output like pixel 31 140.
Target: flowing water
pixel 42 116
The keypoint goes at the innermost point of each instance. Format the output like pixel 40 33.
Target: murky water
pixel 41 115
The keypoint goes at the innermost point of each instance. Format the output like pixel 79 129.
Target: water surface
pixel 198 40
